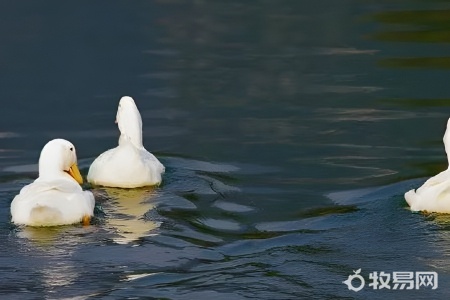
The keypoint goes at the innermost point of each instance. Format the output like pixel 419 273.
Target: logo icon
pixel 356 276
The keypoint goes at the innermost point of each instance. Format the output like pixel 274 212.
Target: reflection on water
pixel 43 236
pixel 125 211
pixel 415 26
pixel 418 25
pixel 290 131
pixel 416 62
pixel 55 247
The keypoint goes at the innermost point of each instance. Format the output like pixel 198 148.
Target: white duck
pixel 434 194
pixel 129 165
pixel 56 197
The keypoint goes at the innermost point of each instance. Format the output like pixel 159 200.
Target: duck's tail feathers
pixel 411 198
pixel 44 216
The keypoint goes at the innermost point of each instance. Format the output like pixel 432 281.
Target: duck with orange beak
pixel 55 197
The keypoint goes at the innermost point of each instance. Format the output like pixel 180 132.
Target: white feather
pixel 129 165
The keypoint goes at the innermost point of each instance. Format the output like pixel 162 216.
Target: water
pixel 289 129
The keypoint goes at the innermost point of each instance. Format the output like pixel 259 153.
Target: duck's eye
pixel 71 148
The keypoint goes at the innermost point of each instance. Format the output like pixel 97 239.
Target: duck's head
pixel 129 121
pixel 59 156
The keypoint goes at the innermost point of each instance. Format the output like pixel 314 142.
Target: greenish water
pixel 289 129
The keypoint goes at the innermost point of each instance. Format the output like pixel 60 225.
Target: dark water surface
pixel 289 129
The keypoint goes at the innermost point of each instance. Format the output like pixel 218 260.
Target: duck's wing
pixel 150 160
pixel 40 186
pixel 437 179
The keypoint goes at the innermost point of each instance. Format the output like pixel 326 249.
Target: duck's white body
pixel 55 198
pixel 129 165
pixel 434 194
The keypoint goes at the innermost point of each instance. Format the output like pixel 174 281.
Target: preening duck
pixel 55 197
pixel 129 165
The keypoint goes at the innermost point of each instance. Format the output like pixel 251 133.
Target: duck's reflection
pixel 125 213
pixel 55 245
pixel 41 236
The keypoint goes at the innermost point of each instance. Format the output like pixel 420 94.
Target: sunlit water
pixel 290 131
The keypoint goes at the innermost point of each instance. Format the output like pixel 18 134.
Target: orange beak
pixel 75 173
